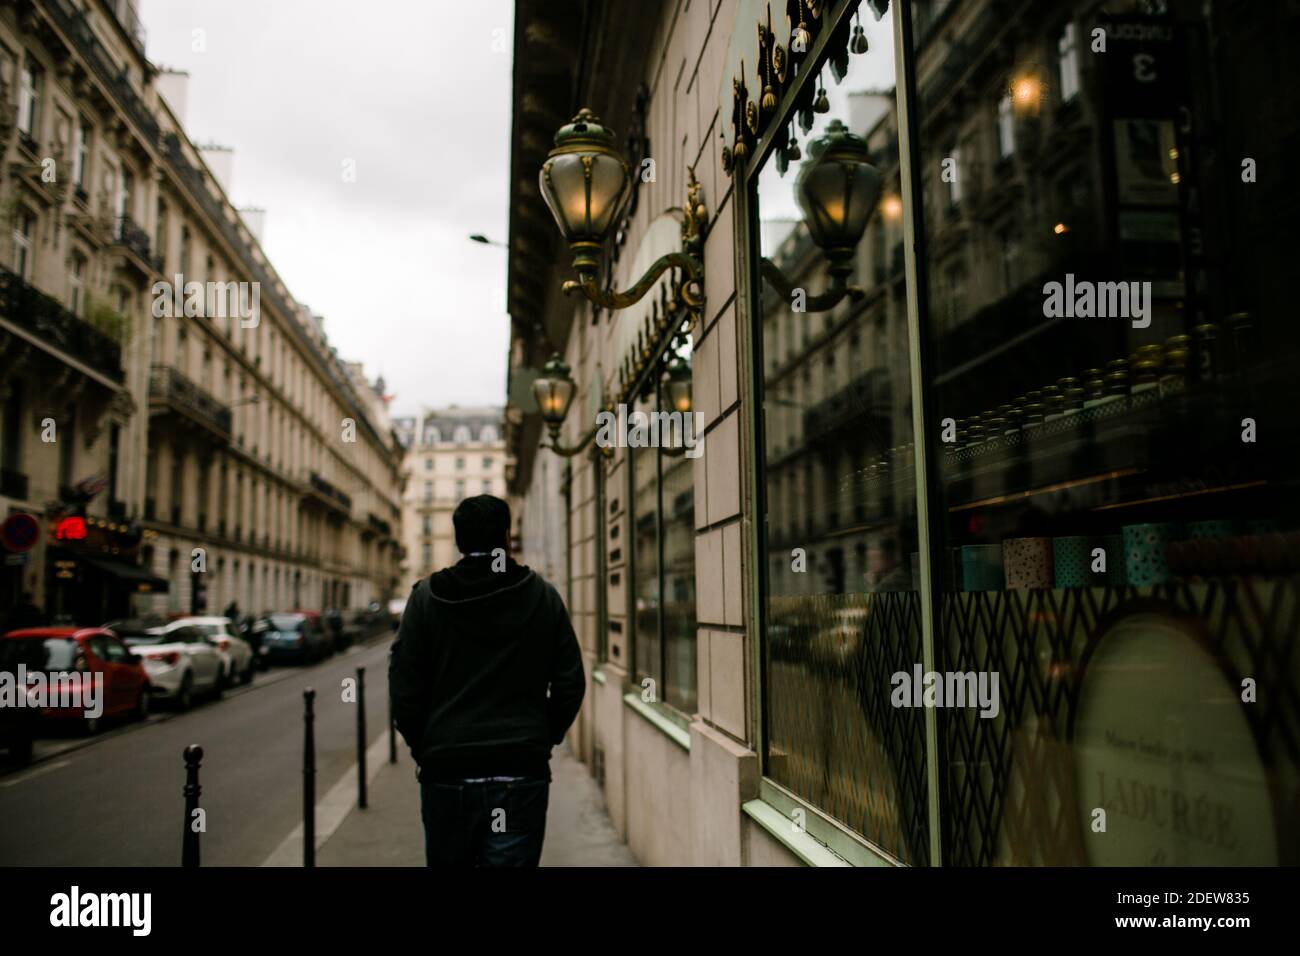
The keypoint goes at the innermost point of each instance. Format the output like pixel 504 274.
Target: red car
pixel 80 650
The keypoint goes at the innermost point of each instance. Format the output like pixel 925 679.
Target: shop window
pixel 1115 533
pixel 663 569
pixel 841 614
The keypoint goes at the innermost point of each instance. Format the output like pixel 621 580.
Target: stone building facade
pixel 912 465
pixel 451 453
pixel 216 446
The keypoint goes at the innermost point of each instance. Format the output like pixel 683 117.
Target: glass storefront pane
pixel 840 548
pixel 1112 359
pixel 645 563
pixel 678 477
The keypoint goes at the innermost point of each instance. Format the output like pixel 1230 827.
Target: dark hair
pixel 482 523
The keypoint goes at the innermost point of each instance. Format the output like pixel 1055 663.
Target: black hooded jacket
pixel 475 655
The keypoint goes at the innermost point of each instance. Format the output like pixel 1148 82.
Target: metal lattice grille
pixel 1010 790
pixel 833 738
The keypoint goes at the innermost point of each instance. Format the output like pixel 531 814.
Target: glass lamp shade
pixel 837 190
pixel 585 181
pixel 554 390
pixel 678 386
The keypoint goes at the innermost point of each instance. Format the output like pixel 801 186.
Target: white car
pixel 236 653
pixel 180 660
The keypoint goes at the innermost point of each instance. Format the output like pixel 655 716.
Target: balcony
pixel 52 325
pixel 72 21
pixel 379 525
pixel 867 395
pixel 172 395
pixel 324 492
pixel 129 235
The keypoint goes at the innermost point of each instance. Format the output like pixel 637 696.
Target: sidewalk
pixel 389 832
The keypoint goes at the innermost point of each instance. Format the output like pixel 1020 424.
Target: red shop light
pixel 71 529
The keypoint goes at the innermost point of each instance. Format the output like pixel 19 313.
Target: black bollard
pixel 190 837
pixel 361 737
pixel 392 732
pixel 308 780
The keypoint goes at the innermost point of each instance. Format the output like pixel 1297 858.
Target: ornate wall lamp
pixel 554 389
pixel 585 181
pixel 837 190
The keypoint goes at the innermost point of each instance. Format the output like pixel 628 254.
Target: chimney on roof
pixel 255 219
pixel 221 160
pixel 173 86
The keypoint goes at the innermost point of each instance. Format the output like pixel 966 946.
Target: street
pixel 118 801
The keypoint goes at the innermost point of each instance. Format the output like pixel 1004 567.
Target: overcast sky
pixel 417 92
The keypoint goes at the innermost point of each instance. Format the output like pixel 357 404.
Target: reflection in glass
pixel 1107 306
pixel 841 609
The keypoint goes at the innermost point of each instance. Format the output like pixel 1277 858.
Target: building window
pixel 426 524
pixel 840 608
pixel 1091 455
pixel 663 572
pixel 426 555
pixel 487 434
pixel 76 285
pixel 29 98
pixel 460 464
pixel 428 492
pixel 486 488
pixel 24 229
pixel 186 247
pixel 1006 126
pixel 81 154
pixel 428 464
pixel 1067 61
pixel 460 490
pixel 487 464
pixel 461 435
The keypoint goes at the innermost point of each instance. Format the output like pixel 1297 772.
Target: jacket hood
pixel 472 579
pixel 485 606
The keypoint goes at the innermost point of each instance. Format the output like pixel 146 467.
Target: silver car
pixel 181 661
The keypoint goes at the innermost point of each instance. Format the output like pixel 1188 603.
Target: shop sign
pixel 20 532
pixel 1161 743
pixel 71 528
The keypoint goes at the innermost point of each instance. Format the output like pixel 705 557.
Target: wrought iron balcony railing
pixel 127 233
pixel 169 387
pixel 47 319
pixel 323 487
pixel 73 21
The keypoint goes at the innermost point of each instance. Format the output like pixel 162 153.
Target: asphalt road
pixel 118 802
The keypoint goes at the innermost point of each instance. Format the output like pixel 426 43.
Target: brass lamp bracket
pixel 690 291
pixel 837 291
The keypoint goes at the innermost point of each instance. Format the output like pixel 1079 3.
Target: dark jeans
pixel 484 824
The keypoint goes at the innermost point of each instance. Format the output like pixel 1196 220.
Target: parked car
pixel 294 636
pixel 85 650
pixel 236 654
pixel 180 660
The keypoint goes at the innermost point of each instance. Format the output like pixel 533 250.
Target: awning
pixel 142 579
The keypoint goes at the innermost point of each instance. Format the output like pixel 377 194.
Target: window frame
pixel 847 844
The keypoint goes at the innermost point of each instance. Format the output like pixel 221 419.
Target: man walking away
pixel 479 645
